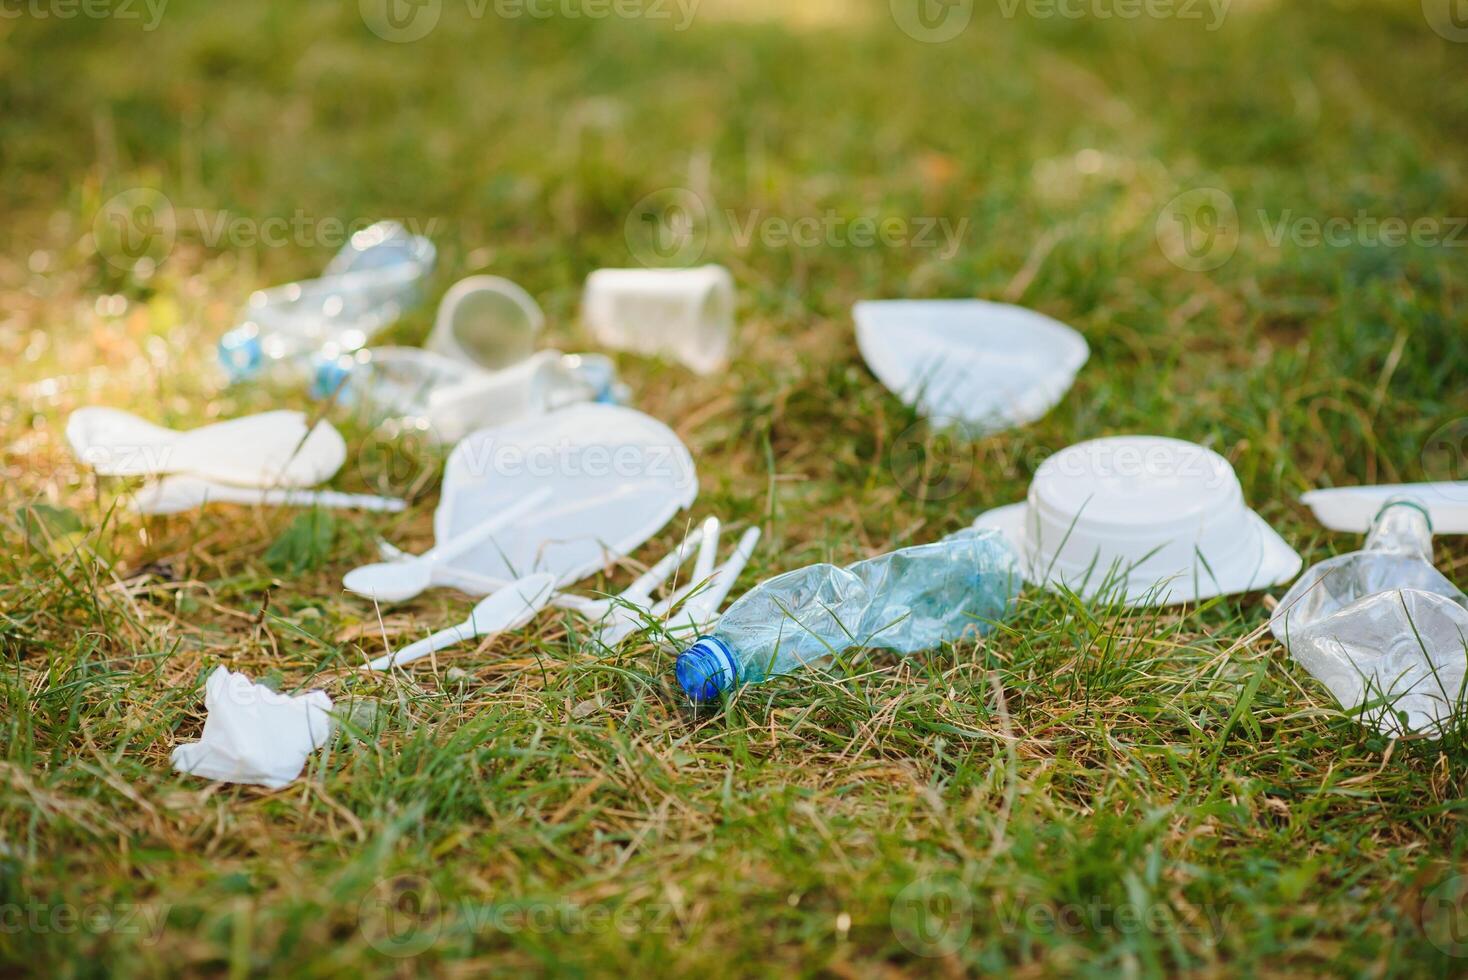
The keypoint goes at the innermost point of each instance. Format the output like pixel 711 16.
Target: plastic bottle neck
pixel 707 669
pixel 1401 527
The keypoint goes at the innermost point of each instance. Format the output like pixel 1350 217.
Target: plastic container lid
pixel 1145 519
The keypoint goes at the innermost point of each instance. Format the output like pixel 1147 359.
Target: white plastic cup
pixel 488 322
pixel 685 313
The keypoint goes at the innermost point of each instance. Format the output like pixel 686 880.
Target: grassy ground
pixel 1089 790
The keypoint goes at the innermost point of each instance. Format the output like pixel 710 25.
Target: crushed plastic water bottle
pixel 369 285
pixel 910 600
pixel 453 398
pixel 1381 628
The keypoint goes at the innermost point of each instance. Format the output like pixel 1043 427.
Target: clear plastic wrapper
pixel 1382 629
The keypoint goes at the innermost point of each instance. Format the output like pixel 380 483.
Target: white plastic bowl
pixel 1145 520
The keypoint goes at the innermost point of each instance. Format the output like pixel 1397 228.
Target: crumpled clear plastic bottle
pixel 909 600
pixel 375 278
pixel 453 399
pixel 1382 628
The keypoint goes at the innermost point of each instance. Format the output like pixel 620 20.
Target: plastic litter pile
pixel 553 478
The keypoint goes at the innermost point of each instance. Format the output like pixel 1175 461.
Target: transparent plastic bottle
pixel 910 600
pixel 452 399
pixel 1382 628
pixel 288 331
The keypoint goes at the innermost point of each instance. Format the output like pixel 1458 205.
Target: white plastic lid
pixel 1157 520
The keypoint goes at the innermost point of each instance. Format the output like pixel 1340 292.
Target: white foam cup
pixel 685 313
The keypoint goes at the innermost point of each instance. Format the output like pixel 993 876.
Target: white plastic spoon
pixel 176 494
pixel 398 581
pixel 508 609
pixel 266 450
pixel 447 575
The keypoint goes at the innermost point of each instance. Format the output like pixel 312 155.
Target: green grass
pixel 1087 791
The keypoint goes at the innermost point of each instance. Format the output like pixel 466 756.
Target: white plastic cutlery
pixel 641 590
pixel 272 449
pixel 176 494
pixel 398 581
pixel 700 612
pixel 708 588
pixel 508 609
pixel 1354 508
pixel 448 566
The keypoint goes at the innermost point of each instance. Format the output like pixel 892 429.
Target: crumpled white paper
pixel 254 735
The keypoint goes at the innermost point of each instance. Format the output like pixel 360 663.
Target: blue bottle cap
pixel 330 375
pixel 240 353
pixel 706 670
